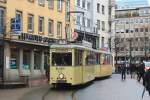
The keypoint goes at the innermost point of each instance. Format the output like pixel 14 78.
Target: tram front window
pixel 61 59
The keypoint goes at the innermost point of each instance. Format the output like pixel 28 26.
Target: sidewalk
pixel 16 94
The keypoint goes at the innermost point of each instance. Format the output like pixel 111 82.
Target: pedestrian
pixel 146 81
pixel 123 71
pixel 141 70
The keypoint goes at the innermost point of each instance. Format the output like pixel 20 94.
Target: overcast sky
pixel 134 0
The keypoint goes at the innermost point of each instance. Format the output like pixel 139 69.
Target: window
pixel 68 31
pixel 102 42
pixel 78 20
pixel 50 27
pixel 98 24
pixel 51 4
pixel 31 1
pixel 61 59
pixel 98 7
pixel 83 21
pixel 41 2
pixel 103 9
pixel 19 18
pixel 141 30
pixel 88 5
pixel 41 24
pixel 78 57
pixel 1 20
pixel 30 22
pixel 146 29
pixel 59 5
pixel 136 30
pixel 103 26
pixel 59 28
pixel 88 23
pixel 83 3
pixel 78 2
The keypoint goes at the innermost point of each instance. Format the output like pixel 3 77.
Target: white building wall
pixel 102 17
pixel 87 15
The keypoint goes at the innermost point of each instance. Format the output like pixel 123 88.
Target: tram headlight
pixel 61 76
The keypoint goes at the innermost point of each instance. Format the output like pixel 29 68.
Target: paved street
pixel 109 89
pixel 113 89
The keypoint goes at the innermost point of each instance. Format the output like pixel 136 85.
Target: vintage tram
pixel 76 64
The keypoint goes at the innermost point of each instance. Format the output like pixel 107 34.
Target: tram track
pixel 46 94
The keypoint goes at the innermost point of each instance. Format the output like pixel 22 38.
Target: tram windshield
pixel 61 59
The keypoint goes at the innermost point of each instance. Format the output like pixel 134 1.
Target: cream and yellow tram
pixel 76 64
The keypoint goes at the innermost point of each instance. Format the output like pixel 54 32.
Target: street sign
pixel 74 35
pixel 15 25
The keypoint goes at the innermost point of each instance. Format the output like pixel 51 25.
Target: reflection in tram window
pixel 61 59
pixel 78 57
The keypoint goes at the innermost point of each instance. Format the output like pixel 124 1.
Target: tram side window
pixel 91 59
pixel 106 59
pixel 78 57
pixel 97 58
pixel 61 59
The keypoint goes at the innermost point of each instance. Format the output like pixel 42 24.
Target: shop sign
pixel 35 38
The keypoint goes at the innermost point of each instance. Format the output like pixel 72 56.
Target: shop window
pixel 37 60
pixel 14 59
pixel 26 60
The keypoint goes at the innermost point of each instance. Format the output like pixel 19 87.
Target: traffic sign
pixel 15 25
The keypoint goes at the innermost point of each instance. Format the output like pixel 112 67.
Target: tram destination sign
pixel 35 38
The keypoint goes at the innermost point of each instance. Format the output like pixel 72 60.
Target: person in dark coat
pixel 123 71
pixel 146 81
pixel 141 71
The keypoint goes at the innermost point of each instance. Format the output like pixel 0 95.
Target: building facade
pixel 132 34
pixel 94 25
pixel 27 28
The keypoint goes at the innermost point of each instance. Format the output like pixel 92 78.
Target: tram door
pixel 1 63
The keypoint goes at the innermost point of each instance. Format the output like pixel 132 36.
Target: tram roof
pixel 77 46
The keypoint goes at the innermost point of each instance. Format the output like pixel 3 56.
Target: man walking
pixel 146 81
pixel 123 71
pixel 141 71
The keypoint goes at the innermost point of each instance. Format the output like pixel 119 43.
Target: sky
pixel 132 3
pixel 148 1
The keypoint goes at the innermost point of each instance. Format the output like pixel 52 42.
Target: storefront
pixel 26 55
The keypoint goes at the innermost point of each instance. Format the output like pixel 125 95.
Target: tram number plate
pixel 61 81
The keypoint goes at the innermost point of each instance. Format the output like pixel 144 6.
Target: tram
pixel 77 64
